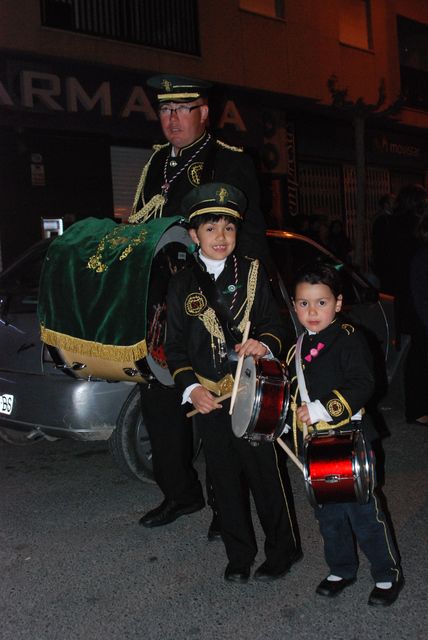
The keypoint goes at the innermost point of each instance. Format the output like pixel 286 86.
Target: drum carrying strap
pixel 232 335
pixel 299 371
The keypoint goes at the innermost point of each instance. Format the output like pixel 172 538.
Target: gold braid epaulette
pixel 209 318
pixel 224 145
pixel 152 208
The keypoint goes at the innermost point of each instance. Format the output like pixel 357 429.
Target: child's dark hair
pixel 319 272
pixel 203 218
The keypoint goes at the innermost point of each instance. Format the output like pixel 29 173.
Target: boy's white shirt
pixel 214 267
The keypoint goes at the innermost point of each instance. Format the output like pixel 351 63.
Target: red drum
pixel 262 402
pixel 336 468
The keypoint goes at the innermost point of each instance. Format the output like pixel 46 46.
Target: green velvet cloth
pixel 94 286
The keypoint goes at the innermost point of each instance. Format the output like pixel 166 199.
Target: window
pixel 413 43
pixel 272 8
pixel 413 48
pixel 164 24
pixel 355 23
pixel 126 166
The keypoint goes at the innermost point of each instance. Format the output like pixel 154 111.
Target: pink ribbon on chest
pixel 314 351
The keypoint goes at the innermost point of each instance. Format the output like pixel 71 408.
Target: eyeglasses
pixel 181 110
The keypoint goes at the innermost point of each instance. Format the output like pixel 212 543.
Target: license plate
pixel 6 404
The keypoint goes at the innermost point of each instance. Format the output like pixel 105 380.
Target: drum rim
pixel 242 434
pixel 261 381
pixel 359 470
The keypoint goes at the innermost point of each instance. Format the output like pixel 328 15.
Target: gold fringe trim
pixel 116 353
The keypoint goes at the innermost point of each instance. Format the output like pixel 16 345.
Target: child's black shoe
pixel 385 597
pixel 330 588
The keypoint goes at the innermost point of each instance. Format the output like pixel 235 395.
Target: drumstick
pixel 220 399
pixel 239 368
pixel 288 451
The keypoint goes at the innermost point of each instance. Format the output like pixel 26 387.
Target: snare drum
pixel 134 308
pixel 336 468
pixel 262 401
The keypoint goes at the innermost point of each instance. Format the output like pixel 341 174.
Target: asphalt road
pixel 75 565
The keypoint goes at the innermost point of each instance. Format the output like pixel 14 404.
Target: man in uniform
pixel 192 156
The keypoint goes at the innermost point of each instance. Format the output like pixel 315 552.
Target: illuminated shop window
pixel 355 23
pixel 272 8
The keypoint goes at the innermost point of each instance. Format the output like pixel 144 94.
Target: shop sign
pixel 382 144
pixel 48 92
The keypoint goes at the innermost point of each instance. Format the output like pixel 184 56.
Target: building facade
pixel 290 78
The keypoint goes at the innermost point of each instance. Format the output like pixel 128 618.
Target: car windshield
pixel 293 251
pixel 25 273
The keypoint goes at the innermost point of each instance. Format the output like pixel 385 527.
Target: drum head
pixel 171 256
pixel 243 408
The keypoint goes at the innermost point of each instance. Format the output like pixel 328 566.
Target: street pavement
pixel 75 564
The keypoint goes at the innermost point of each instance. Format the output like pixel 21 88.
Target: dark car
pixel 38 400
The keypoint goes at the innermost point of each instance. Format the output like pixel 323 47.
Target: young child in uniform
pixel 338 374
pixel 202 360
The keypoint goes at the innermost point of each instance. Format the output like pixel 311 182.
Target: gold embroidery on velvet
pixel 113 240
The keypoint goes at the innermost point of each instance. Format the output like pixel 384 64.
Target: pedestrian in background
pixel 410 210
pixel 419 295
pixel 384 243
pixel 338 242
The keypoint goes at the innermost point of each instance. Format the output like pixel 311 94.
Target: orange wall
pixel 294 56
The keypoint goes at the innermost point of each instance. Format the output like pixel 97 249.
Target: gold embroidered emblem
pixel 222 195
pixel 335 408
pixel 112 241
pixel 166 85
pixel 195 303
pixel 194 173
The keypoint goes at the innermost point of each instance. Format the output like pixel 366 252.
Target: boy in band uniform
pixel 197 355
pixel 338 374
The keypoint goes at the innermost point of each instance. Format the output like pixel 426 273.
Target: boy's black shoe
pixel 237 574
pixel 331 589
pixel 267 573
pixel 214 532
pixel 169 511
pixel 385 597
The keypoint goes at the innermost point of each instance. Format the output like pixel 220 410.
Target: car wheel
pixel 129 443
pixel 19 438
